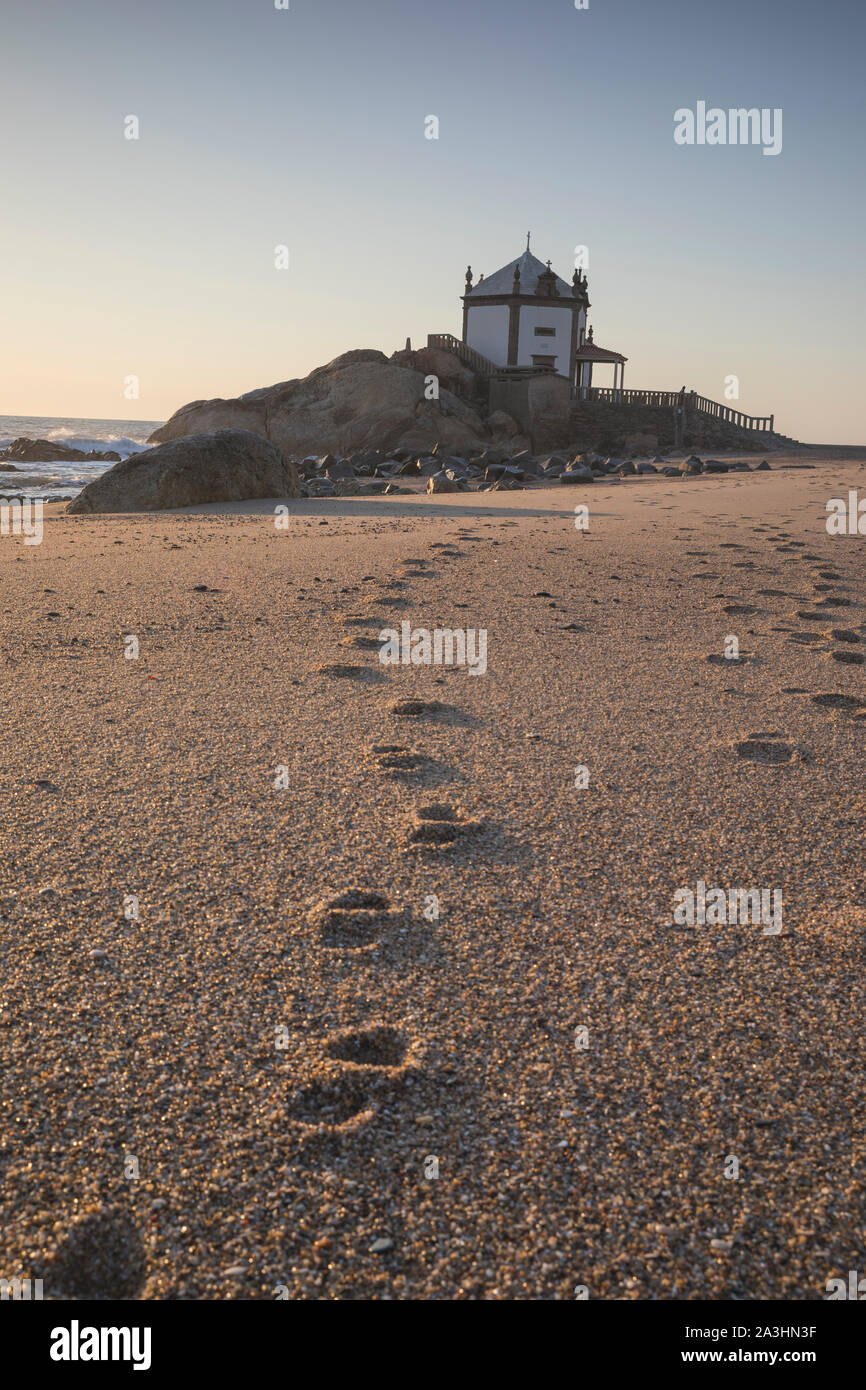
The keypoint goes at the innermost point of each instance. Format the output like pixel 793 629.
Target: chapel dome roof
pixel 530 269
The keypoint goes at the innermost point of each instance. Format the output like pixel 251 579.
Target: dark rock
pixel 503 470
pixel 49 451
pixel 440 482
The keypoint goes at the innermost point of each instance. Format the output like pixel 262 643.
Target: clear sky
pixel 154 257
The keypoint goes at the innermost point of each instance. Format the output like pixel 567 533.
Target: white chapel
pixel 526 316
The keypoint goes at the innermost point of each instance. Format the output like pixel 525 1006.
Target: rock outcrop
pixel 49 451
pixel 229 466
pixel 361 400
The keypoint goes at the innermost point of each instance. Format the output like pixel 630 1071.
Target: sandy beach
pixel 265 1033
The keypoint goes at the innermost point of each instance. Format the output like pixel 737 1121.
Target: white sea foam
pixel 54 479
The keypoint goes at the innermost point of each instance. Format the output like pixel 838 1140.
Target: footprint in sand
pixel 834 603
pixel 363 620
pixel 716 660
pixel 101 1257
pixel 848 658
pixel 358 673
pixel 842 634
pixel 374 1059
pixel 417 709
pixel 354 919
pixel 439 824
pixel 396 758
pixel 739 609
pixel 764 748
pixel 394 604
pixel 377 1046
pixel 365 643
pixel 331 1105
pixel 435 711
pixel 840 702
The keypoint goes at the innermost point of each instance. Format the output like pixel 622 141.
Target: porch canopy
pixel 590 353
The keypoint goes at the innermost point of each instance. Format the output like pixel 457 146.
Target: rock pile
pixel 384 471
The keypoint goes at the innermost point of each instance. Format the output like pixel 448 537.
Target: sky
pixel 259 127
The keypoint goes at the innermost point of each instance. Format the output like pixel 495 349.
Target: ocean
pixel 55 480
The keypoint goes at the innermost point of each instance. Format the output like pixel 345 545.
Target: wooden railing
pixel 472 359
pixel 690 401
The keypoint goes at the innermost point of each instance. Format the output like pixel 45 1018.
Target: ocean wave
pixel 118 443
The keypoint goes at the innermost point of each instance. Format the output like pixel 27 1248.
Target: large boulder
pixel 229 466
pixel 359 401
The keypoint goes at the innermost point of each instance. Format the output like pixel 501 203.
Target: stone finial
pixel 589 334
pixel 528 235
pixel 515 284
pixel 468 278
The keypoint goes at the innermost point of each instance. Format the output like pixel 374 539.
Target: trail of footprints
pixel 365 1065
pixel 838 644
pixel 372 1061
pixel 101 1256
